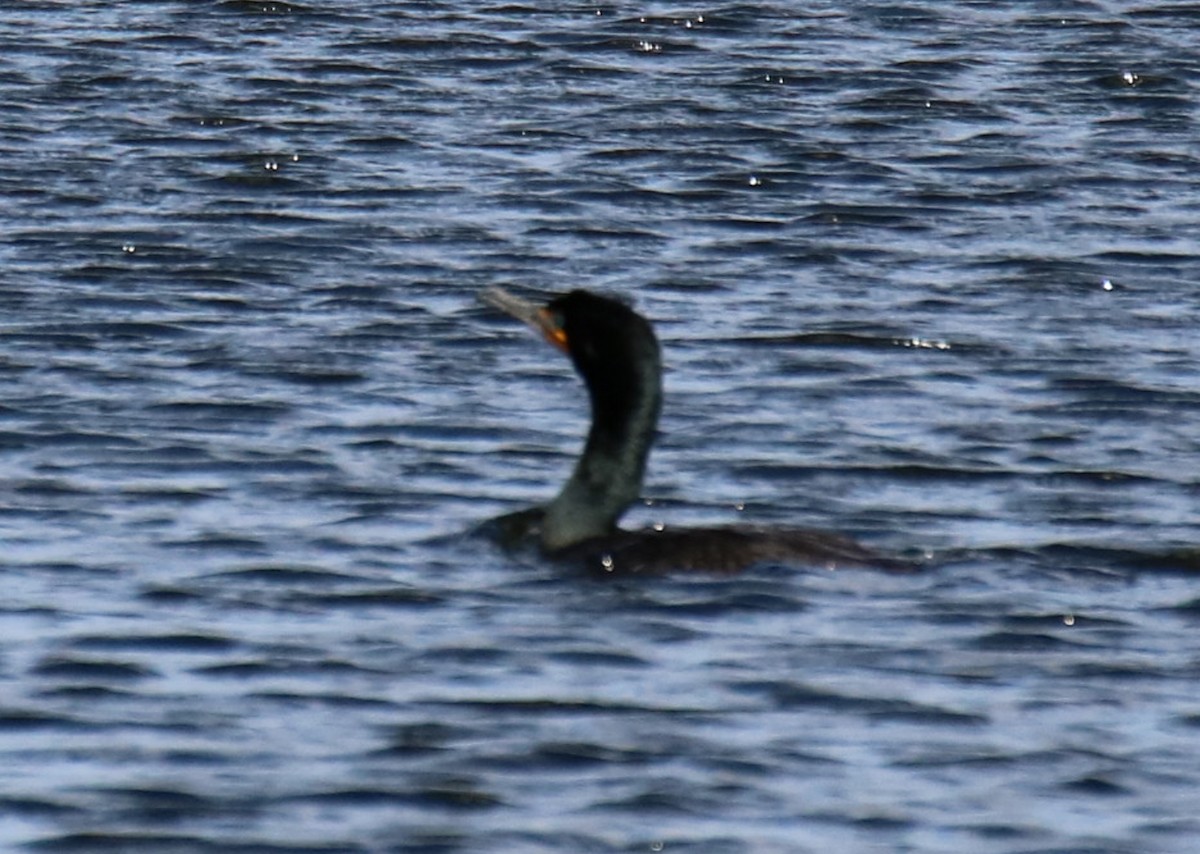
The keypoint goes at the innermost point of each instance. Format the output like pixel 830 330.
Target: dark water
pixel 924 272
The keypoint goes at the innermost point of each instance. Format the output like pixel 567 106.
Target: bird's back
pixel 727 550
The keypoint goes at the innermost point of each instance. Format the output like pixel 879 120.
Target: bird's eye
pixel 551 323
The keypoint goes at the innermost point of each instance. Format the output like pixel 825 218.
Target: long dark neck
pixel 626 396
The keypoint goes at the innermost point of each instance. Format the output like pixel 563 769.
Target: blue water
pixel 924 273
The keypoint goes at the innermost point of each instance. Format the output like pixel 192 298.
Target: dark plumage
pixel 616 353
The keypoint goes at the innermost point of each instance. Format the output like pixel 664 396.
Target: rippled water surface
pixel 925 273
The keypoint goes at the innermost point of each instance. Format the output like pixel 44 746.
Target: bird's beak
pixel 535 316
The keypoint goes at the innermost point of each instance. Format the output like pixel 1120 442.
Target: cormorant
pixel 616 352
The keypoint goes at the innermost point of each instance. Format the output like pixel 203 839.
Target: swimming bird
pixel 615 351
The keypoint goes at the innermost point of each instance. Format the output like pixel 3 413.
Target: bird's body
pixel 615 351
